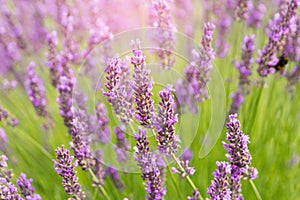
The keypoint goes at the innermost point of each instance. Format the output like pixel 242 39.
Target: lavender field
pixel 155 99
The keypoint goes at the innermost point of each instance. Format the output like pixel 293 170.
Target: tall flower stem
pixel 254 188
pixel 100 187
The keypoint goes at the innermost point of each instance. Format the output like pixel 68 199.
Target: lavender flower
pixel 197 73
pixel 64 167
pixel 256 14
pixel 36 91
pixel 142 87
pixel 52 62
pixel 237 100
pixel 238 156
pixel 279 30
pixel 122 146
pixel 219 186
pixel 292 47
pixel 65 101
pixel 81 140
pixel 148 166
pixel 26 188
pixel 164 123
pixel 103 122
pixel 186 171
pixel 165 36
pixel 7 189
pixel 196 195
pixel 244 68
pixel 5 116
pixel 119 89
pixel 115 177
pixel 242 9
pixel 98 170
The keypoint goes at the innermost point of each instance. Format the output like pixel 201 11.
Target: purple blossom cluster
pixel 166 138
pixel 119 89
pixel 278 31
pixel 122 146
pixel 142 87
pixel 244 67
pixel 192 89
pixel 256 14
pixel 115 177
pixel 65 167
pixel 26 188
pixel 227 178
pixel 242 10
pixel 219 186
pixel 103 121
pixel 5 116
pixel 165 35
pixel 8 190
pixel 36 91
pixel 81 140
pixel 147 163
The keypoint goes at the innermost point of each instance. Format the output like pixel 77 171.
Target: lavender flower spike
pixel 103 121
pixel 122 146
pixel 242 9
pixel 26 188
pixel 149 167
pixel 81 140
pixel 142 87
pixel 238 156
pixel 36 91
pixel 219 186
pixel 5 116
pixel 64 167
pixel 7 189
pixel 164 123
pixel 52 62
pixel 165 35
pixel 279 30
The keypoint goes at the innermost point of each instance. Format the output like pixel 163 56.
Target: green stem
pixel 255 190
pixel 187 177
pixel 101 187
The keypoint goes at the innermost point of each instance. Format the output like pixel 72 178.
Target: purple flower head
pixel 244 66
pixel 242 10
pixel 65 100
pixel 115 177
pixel 196 195
pixel 98 170
pixel 187 155
pixel 122 146
pixel 5 116
pixel 142 87
pixel 36 91
pixel 148 165
pixel 219 186
pixel 197 73
pixel 81 140
pixel 237 101
pixel 26 188
pixel 165 35
pixel 64 167
pixel 103 121
pixel 256 14
pixel 187 170
pixel 237 146
pixel 52 62
pixel 278 31
pixel 164 123
pixel 119 89
pixel 9 191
